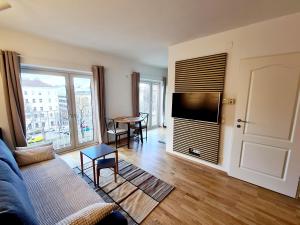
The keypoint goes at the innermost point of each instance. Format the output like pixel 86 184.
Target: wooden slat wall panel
pixel 203 74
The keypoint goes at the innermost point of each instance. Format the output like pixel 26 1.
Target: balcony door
pixel 150 101
pixel 58 108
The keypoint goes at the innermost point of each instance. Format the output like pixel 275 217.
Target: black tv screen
pixel 203 106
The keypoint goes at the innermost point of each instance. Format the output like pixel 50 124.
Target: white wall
pixel 272 37
pixel 47 53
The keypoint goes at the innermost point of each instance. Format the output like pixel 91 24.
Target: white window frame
pixel 159 113
pixel 69 76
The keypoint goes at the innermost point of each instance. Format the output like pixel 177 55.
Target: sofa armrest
pixel 89 215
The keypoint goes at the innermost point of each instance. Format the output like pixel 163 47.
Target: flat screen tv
pixel 204 106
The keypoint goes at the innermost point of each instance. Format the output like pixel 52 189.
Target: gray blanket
pixel 56 191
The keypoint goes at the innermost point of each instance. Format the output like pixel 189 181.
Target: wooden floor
pixel 204 195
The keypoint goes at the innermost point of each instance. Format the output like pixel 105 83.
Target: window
pixel 60 95
pixel 26 100
pixel 25 93
pixel 150 101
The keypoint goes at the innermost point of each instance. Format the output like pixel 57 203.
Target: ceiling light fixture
pixel 4 5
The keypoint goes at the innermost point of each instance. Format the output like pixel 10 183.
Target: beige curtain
pixel 99 89
pixel 135 82
pixel 10 73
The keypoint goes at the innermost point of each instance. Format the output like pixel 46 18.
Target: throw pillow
pixel 34 155
pixel 31 147
pixel 15 204
pixel 6 155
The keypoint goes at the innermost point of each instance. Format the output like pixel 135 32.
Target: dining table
pixel 130 120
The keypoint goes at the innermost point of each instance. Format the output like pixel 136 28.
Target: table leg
pixel 94 172
pixel 141 132
pixel 81 163
pixel 117 162
pixel 128 135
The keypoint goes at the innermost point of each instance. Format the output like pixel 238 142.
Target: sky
pixel 56 80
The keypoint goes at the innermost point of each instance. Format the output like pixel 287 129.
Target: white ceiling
pixel 137 29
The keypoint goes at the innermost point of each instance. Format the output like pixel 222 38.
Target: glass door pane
pixel 84 109
pixel 46 109
pixel 155 105
pixel 145 97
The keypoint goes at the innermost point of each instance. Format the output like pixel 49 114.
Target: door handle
pixel 242 121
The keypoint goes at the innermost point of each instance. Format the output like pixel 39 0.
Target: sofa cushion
pixel 15 205
pixel 34 155
pixel 89 215
pixel 6 155
pixel 56 191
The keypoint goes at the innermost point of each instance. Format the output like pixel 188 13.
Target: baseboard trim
pixel 197 162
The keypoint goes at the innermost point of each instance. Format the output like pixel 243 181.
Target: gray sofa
pixel 54 189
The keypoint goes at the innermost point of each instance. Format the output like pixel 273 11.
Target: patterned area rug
pixel 136 192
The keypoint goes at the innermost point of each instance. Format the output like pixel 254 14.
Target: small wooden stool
pixel 106 163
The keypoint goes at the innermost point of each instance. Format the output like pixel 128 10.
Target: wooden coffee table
pixel 96 152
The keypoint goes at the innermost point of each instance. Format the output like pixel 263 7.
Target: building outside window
pixel 54 124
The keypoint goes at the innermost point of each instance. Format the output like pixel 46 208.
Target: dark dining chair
pixel 113 129
pixel 136 127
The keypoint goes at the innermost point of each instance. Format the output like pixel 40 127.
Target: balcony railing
pixel 54 126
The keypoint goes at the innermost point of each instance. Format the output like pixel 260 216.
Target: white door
pixel 266 147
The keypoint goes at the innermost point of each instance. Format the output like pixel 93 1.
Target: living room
pixel 189 116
